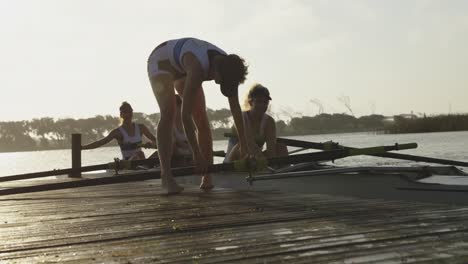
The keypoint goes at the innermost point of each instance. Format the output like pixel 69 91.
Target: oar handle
pixel 401 146
pixel 381 149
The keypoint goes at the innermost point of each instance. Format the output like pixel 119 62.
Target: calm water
pixel 447 145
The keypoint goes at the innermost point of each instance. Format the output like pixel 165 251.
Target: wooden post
pixel 76 156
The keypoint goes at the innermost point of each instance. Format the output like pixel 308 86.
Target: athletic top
pixel 167 56
pixel 260 138
pixel 129 145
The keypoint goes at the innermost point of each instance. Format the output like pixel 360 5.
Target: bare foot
pixel 206 183
pixel 173 188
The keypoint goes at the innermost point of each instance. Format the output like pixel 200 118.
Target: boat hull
pixel 389 185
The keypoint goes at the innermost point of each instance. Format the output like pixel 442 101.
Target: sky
pixel 82 58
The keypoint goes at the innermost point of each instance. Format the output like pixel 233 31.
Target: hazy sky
pixel 81 58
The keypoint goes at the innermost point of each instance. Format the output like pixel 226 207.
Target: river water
pixel 446 145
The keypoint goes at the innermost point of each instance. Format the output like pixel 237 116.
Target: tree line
pixel 438 123
pixel 49 133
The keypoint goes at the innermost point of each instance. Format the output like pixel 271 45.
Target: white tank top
pixel 259 139
pixel 129 144
pixel 197 47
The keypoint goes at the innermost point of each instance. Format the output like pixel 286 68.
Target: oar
pixel 120 165
pixel 239 166
pixel 333 171
pixel 337 154
pixel 296 151
pixel 329 145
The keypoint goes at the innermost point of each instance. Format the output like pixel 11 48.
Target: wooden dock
pixel 135 223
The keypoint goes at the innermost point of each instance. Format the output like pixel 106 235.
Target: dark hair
pixel 125 106
pixel 178 100
pixel 233 71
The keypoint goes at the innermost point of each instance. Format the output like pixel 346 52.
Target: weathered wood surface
pixel 135 223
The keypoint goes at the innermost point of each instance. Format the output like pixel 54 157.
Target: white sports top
pixel 259 139
pixel 174 50
pixel 129 144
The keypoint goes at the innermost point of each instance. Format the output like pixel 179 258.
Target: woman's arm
pixel 102 141
pixel 193 82
pixel 239 125
pixel 145 131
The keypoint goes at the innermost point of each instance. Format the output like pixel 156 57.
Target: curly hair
pixel 232 69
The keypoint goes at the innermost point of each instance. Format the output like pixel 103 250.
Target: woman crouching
pixel 259 127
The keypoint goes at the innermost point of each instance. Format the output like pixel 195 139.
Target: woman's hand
pixel 253 151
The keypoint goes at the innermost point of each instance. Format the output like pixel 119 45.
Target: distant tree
pixel 219 118
pixel 42 127
pixel 371 122
pixel 48 133
pixel 346 101
pixel 423 124
pixel 144 119
pixel 154 119
pixel 15 136
pixel 318 104
pixel 281 127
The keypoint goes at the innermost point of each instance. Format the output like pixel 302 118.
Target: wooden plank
pixel 134 222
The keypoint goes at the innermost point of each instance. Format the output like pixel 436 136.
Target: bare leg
pixel 205 138
pixel 164 91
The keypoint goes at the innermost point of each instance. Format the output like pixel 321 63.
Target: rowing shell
pixel 389 183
